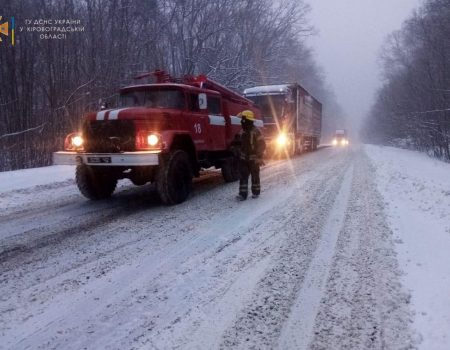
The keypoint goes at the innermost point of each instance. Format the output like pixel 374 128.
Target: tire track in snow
pixel 365 306
pixel 170 324
pixel 132 267
pixel 297 331
pixel 161 267
pixel 203 327
pixel 259 323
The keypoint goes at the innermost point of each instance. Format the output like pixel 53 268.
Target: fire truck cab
pixel 163 132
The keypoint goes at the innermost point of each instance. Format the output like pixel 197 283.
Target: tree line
pixel 412 108
pixel 48 84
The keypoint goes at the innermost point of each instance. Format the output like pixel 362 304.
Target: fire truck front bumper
pixel 144 158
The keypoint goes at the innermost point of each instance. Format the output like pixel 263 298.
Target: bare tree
pixel 413 107
pixel 52 83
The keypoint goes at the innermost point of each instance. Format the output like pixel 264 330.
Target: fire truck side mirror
pixel 202 101
pixel 102 104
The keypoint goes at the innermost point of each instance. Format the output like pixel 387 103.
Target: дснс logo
pixel 6 30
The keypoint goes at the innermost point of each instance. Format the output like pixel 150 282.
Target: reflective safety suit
pixel 251 151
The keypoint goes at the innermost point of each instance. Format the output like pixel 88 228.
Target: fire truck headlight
pixel 335 142
pixel 152 140
pixel 77 141
pixel 282 140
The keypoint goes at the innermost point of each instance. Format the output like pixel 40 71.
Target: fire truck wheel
pixel 175 178
pixel 94 184
pixel 230 169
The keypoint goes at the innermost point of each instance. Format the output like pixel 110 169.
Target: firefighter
pixel 251 149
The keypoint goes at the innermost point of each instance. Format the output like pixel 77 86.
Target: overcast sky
pixel 351 33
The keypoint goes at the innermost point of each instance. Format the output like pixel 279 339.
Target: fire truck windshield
pixel 272 106
pixel 173 99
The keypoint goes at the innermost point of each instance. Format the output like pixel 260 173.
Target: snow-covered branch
pixel 37 128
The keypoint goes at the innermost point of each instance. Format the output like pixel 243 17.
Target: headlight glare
pixel 282 140
pixel 77 141
pixel 152 140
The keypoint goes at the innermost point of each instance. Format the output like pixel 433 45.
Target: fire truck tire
pixel 94 184
pixel 174 180
pixel 230 169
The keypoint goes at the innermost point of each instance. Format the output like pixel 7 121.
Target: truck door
pixel 197 121
pixel 216 124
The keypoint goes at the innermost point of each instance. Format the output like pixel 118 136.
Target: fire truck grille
pixel 109 136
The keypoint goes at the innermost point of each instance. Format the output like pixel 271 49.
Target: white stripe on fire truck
pixel 101 115
pixel 216 120
pixel 235 120
pixel 115 113
pixel 259 123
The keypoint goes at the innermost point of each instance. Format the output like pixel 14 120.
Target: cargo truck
pixel 292 117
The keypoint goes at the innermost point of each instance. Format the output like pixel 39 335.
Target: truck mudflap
pixel 143 158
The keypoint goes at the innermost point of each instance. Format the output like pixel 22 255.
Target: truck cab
pixel 292 117
pixel 163 132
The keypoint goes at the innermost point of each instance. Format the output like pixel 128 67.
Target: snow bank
pixel 416 189
pixel 21 179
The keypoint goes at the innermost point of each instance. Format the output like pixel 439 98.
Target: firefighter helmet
pixel 247 114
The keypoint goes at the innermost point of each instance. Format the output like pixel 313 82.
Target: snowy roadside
pixel 21 179
pixel 416 191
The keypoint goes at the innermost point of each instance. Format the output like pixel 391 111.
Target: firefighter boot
pixel 241 197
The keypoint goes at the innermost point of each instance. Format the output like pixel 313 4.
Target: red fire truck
pixel 163 132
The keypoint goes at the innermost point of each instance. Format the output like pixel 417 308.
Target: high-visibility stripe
pixel 113 115
pixel 235 120
pixel 216 120
pixel 259 123
pixel 101 115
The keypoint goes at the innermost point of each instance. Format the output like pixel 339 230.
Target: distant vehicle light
pixel 335 142
pixel 343 142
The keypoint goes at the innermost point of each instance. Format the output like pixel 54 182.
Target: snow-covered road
pixel 310 264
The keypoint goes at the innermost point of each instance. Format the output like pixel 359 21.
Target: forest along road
pixel 308 265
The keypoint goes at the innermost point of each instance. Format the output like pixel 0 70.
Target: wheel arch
pixel 182 141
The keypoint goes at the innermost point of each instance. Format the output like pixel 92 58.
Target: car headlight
pixel 77 141
pixel 148 141
pixel 74 142
pixel 282 140
pixel 335 142
pixel 152 140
